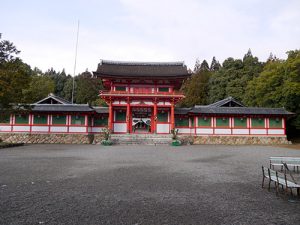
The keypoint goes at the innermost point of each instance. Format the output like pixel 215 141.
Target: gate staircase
pixel 141 139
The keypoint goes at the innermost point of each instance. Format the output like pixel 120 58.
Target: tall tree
pixel 87 88
pixel 204 66
pixel 215 65
pixel 39 87
pixel 196 89
pixel 232 78
pixel 278 85
pixel 8 51
pixel 14 75
pixel 197 66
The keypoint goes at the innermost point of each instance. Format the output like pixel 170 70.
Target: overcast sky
pixel 148 30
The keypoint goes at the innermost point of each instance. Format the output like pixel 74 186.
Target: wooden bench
pixel 293 162
pixel 280 179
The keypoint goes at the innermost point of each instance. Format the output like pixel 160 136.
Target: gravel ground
pixel 88 184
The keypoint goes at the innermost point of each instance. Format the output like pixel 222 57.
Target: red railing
pixel 140 92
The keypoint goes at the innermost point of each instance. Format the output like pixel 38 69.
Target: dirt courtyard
pixel 137 185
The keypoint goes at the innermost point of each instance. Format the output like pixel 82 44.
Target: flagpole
pixel 73 85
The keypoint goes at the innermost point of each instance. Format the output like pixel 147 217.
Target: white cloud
pixel 159 30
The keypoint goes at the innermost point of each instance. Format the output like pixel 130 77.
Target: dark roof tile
pixel 62 108
pixel 141 69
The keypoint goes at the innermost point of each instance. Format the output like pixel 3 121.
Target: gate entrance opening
pixel 141 119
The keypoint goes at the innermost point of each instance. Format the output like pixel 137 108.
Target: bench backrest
pixel 286 159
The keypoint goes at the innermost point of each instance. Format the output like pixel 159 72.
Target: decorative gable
pixel 53 99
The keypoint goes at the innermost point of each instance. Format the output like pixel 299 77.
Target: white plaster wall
pixel 276 131
pixel 58 129
pixel 97 129
pixel 120 127
pixel 240 131
pixel 5 128
pixel 204 131
pixel 258 131
pixel 163 128
pixel 21 128
pixel 184 130
pixel 39 129
pixel 77 129
pixel 222 131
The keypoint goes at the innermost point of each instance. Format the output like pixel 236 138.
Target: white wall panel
pixel 5 128
pixel 276 131
pixel 58 129
pixel 77 129
pixel 97 129
pixel 184 130
pixel 120 127
pixel 22 128
pixel 222 131
pixel 240 131
pixel 258 131
pixel 163 128
pixel 204 131
pixel 39 129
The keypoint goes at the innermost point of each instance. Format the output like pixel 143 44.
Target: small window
pixel 204 121
pixel 257 122
pixel 120 88
pixel 120 116
pixel 162 116
pixel 101 121
pixel 163 89
pixel 275 122
pixel 78 120
pixel 181 122
pixel 59 119
pixel 21 119
pixel 40 119
pixel 240 122
pixel 5 118
pixel 222 122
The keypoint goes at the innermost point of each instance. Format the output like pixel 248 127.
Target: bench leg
pixel 269 184
pixel 262 183
pixel 298 192
pixel 292 192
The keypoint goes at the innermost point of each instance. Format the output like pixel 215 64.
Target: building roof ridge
pixel 142 63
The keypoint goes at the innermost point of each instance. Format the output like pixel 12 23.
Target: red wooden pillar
pixel 128 116
pixel 172 116
pixel 110 116
pixel 154 117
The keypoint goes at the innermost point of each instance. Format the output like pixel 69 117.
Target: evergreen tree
pixel 197 66
pixel 204 66
pixel 196 89
pixel 87 88
pixel 215 65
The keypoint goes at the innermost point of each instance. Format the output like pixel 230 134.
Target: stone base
pixel 51 138
pixel 241 140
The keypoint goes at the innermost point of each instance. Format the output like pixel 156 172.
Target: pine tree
pixel 197 66
pixel 215 65
pixel 204 66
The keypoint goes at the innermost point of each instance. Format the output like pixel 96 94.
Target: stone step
pixel 141 139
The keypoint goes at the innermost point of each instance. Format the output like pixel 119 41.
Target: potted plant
pixel 175 140
pixel 107 141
